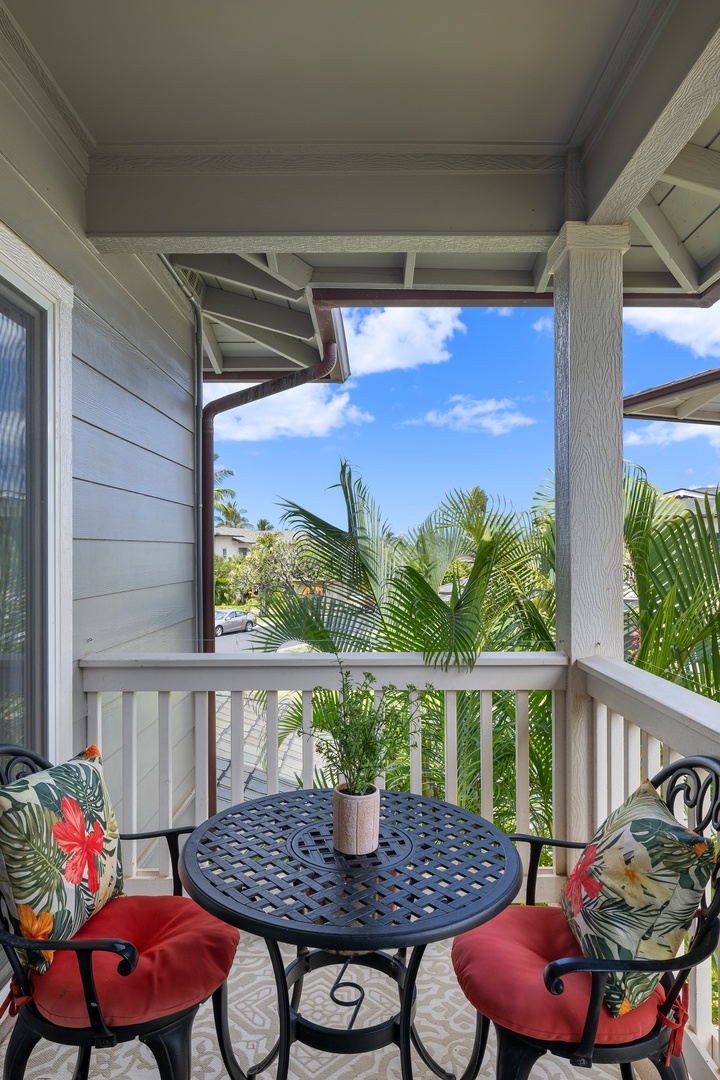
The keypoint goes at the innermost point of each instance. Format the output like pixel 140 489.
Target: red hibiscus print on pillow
pixel 580 880
pixel 79 845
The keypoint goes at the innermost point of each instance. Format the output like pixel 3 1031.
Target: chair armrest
pixel 537 843
pixel 601 969
pixel 172 836
pixel 558 969
pixel 83 950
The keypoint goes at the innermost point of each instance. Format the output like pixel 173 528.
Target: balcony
pixel 639 721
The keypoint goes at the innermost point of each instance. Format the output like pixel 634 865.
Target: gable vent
pixel 195 281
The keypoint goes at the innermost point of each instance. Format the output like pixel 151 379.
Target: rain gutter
pixel 233 401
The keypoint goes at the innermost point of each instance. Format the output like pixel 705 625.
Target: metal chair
pixel 506 991
pixel 174 918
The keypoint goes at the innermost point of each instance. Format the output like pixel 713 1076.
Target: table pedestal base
pixel 398 1029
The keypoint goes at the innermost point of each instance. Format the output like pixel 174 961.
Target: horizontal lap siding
pixel 134 526
pixel 133 428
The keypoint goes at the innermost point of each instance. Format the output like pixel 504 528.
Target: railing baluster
pixel 129 781
pixel 237 746
pixel 271 747
pixel 308 764
pixel 487 766
pixel 94 719
pixel 416 775
pixel 558 778
pixel 700 1002
pixel 602 790
pixel 651 755
pixel 165 785
pixel 377 698
pixel 522 767
pixel 451 752
pixel 200 705
pixel 632 757
pixel 616 757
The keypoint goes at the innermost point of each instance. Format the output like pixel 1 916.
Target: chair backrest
pixel 18 761
pixel 697 781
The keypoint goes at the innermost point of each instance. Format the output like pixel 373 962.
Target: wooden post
pixel 586 261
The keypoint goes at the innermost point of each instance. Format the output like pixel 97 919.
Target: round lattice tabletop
pixel 268 866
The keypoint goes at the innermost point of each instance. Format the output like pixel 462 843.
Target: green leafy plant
pixel 360 734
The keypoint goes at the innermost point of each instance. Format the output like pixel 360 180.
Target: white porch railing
pixel 170 676
pixel 640 721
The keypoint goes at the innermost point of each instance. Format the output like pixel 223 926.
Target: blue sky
pixel 448 398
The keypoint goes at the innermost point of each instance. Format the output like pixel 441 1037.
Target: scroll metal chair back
pixel 167 1033
pixel 691 786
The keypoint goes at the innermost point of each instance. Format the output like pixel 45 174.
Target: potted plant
pixel 358 735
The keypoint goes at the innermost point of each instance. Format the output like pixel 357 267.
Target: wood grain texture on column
pixel 587 265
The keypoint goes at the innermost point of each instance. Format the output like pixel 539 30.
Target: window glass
pixel 23 561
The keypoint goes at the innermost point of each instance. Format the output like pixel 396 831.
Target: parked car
pixel 227 622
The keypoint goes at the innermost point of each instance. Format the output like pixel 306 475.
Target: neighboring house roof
pixel 694 400
pixel 248 537
pixel 690 496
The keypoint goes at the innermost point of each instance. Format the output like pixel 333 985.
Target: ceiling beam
pixel 287 268
pixel 695 402
pixel 650 218
pixel 710 273
pixel 673 85
pixel 281 320
pixel 213 350
pixel 378 277
pixel 239 271
pixel 302 355
pixel 652 282
pixel 409 269
pixel 695 168
pixel 246 214
pixel 540 273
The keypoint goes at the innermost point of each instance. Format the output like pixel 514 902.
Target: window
pixel 23 524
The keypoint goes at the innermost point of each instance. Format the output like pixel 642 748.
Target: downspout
pixel 198 442
pixel 211 410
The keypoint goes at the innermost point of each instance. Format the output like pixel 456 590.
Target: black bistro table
pixel 268 867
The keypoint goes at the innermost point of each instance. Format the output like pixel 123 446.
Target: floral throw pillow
pixel 59 851
pixel 635 891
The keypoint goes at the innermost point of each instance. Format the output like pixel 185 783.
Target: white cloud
pixel 310 411
pixel 543 325
pixel 695 329
pixel 503 312
pixel 393 338
pixel 471 414
pixel 660 433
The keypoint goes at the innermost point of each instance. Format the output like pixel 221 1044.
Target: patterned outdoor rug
pixel 444 1020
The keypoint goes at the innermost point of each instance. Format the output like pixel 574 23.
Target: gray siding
pixel 133 437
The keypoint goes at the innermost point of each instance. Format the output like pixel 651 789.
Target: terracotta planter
pixel 356 821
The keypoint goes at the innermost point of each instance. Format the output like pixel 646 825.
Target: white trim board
pixel 33 277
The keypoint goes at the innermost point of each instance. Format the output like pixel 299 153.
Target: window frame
pixel 33 278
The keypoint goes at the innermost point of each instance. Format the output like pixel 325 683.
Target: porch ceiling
pixel 292 158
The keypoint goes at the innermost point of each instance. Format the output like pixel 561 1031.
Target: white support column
pixel 586 261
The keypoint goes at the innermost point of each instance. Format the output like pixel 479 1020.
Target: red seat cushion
pixel 185 954
pixel 500 969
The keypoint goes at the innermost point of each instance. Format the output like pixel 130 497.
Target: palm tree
pixel 221 494
pixel 384 589
pixel 229 513
pixel 382 595
pixel 673 582
pixel 264 525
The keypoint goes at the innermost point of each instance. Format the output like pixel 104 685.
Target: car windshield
pixel 221 614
